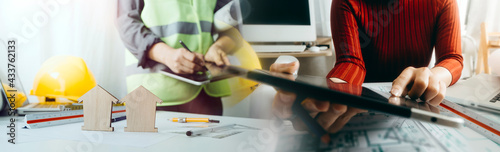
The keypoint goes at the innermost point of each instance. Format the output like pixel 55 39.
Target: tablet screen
pixel 198 76
pixel 212 73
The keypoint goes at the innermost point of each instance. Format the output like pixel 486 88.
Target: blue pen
pixel 118 119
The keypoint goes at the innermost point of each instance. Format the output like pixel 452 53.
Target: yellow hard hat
pixel 19 96
pixel 63 77
pixel 240 87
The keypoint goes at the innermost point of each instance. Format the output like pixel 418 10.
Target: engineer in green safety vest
pixel 151 30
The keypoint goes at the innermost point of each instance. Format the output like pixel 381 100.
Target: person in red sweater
pixel 384 41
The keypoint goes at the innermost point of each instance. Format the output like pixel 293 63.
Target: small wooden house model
pixel 97 108
pixel 141 110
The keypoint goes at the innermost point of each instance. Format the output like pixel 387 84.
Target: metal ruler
pixel 40 120
pixel 474 121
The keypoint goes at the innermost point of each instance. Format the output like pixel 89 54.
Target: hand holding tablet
pixel 211 72
pixel 300 92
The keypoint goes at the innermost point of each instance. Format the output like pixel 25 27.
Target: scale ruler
pixel 64 117
pixel 474 121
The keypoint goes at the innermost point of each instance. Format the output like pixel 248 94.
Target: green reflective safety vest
pixel 174 20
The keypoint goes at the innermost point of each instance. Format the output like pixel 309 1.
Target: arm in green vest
pixel 147 47
pixel 136 37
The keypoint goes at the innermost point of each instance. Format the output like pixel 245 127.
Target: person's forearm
pixel 225 43
pixel 229 40
pixel 136 37
pixel 159 51
pixel 442 74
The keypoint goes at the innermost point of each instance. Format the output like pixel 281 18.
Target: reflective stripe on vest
pixel 181 28
pixel 174 20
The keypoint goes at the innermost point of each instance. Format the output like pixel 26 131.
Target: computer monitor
pixel 277 20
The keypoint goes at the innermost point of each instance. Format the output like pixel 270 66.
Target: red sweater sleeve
pixel 349 65
pixel 448 40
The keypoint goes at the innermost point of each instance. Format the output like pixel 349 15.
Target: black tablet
pixel 212 73
pixel 360 97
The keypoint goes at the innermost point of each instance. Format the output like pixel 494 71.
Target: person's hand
pixel 217 55
pixel 332 117
pixel 287 68
pixel 284 70
pixel 419 83
pixel 182 61
pixel 282 105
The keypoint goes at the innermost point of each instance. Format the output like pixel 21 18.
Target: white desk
pixel 411 135
pixel 245 141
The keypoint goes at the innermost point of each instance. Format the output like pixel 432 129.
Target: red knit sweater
pixel 375 40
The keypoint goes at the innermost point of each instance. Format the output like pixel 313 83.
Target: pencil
pixel 184 45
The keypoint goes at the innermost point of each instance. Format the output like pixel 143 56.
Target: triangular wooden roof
pixel 98 89
pixel 143 93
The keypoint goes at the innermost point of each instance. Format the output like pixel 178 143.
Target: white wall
pixel 322 9
pixel 83 28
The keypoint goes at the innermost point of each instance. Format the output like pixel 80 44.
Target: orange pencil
pixel 184 120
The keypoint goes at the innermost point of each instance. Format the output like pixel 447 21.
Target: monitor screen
pixel 275 12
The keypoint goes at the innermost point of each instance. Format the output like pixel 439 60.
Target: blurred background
pixel 82 28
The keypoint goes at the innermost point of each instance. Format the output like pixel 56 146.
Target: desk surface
pixel 247 140
pixel 369 132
